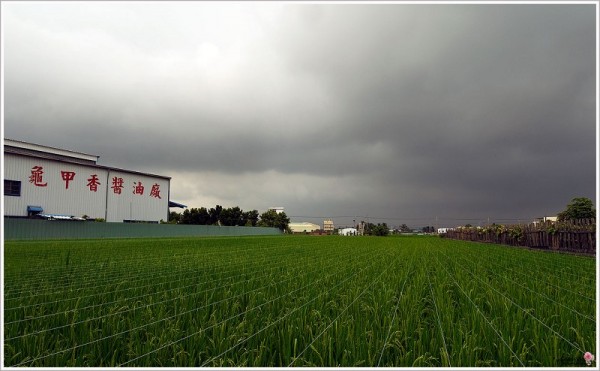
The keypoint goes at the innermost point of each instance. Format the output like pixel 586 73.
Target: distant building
pixel 348 232
pixel 303 227
pixel 545 219
pixel 277 209
pixel 328 226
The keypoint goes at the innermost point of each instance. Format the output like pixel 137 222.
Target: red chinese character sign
pixel 37 173
pixel 155 191
pixel 67 176
pixel 117 185
pixel 138 188
pixel 93 183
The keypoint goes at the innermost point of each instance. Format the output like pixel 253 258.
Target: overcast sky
pixel 396 112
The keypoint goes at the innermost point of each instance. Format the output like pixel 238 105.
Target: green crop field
pixel 295 301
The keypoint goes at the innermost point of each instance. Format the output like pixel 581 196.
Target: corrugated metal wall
pixel 96 192
pixel 31 229
pixel 127 203
pixel 50 191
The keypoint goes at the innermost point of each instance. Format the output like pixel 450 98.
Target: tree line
pixel 379 229
pixel 382 229
pixel 232 216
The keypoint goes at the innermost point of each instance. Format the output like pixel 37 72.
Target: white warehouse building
pixel 41 180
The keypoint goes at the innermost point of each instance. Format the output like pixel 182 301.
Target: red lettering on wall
pixel 138 189
pixel 155 191
pixel 117 185
pixel 93 183
pixel 67 176
pixel 36 176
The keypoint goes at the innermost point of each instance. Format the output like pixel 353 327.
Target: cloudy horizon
pixel 399 113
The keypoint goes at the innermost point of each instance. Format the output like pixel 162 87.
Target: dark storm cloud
pixel 496 102
pixel 416 110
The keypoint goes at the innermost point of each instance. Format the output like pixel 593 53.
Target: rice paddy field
pixel 295 301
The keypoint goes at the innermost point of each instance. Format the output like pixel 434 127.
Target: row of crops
pixel 295 301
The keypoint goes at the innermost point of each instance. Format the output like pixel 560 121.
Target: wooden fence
pixel 574 236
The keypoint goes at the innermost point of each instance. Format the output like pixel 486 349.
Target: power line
pixel 486 218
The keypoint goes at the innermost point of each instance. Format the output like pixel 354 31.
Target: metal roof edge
pixel 109 168
pixel 49 147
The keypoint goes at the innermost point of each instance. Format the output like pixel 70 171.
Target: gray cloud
pixel 395 111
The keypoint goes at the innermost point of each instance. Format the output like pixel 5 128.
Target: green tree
pixel 174 217
pixel 215 214
pixel 271 218
pixel 195 216
pixel 231 216
pixel 579 208
pixel 377 230
pixel 380 230
pixel 186 217
pixel 250 218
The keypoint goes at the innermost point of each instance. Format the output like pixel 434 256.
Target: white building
pixel 348 232
pixel 328 226
pixel 303 227
pixel 546 219
pixel 51 181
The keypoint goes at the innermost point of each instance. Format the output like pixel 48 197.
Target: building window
pixel 12 188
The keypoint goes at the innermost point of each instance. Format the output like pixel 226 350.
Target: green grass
pixel 295 301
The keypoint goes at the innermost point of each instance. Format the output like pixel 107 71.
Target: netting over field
pixel 295 301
